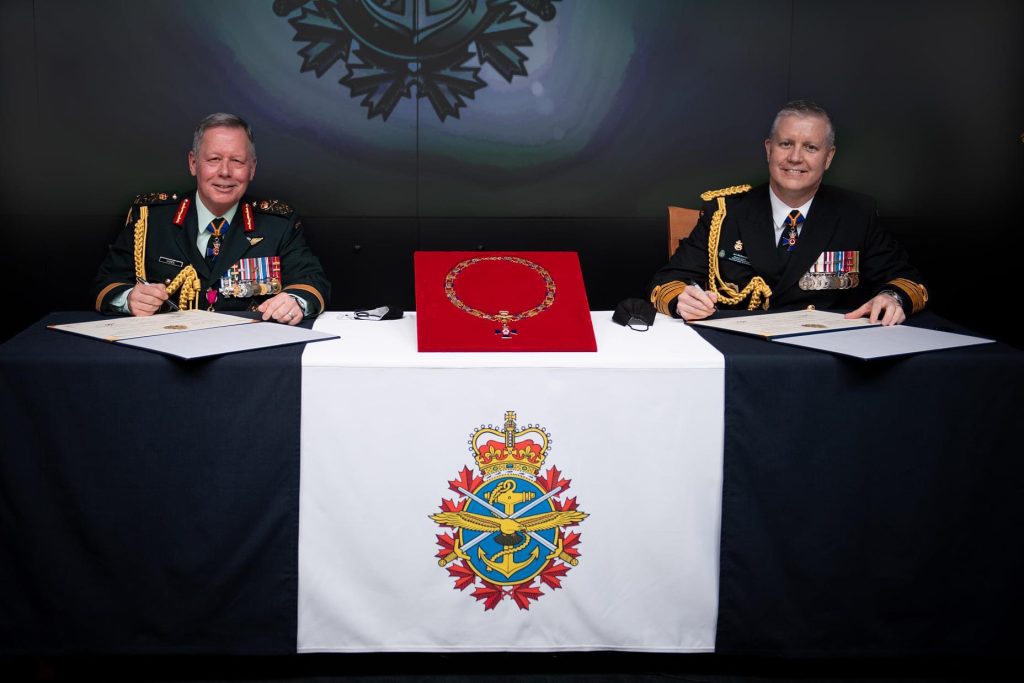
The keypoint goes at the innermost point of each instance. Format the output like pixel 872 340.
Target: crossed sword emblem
pixel 503 523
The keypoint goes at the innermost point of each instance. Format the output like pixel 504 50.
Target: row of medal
pixel 837 262
pixel 833 270
pixel 260 276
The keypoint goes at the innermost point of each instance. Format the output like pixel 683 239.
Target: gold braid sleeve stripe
pixel 105 291
pixel 662 295
pixel 757 289
pixel 141 226
pixel 312 290
pixel 188 280
pixel 918 293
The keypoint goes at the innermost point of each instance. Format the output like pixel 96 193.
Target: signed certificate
pixel 202 333
pixel 791 323
pixel 117 329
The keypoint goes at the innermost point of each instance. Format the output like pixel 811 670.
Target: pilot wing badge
pixel 511 530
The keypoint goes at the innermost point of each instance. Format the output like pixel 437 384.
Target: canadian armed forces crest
pixel 511 524
pixel 390 47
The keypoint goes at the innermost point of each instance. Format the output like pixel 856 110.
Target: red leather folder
pixel 501 301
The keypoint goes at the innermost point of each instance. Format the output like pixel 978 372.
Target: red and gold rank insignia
pixel 509 521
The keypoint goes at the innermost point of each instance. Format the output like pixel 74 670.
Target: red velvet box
pixel 501 301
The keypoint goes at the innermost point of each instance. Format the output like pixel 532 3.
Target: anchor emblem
pixel 506 495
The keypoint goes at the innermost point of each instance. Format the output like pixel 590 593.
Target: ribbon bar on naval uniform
pixel 250 277
pixel 833 270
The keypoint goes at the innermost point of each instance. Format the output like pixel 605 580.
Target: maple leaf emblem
pixel 567 504
pixel 552 479
pixel 392 49
pixel 553 574
pixel 464 576
pixel 449 505
pixel 447 544
pixel 467 480
pixel 490 594
pixel 523 594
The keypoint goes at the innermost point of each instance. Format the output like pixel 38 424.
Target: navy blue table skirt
pixel 149 505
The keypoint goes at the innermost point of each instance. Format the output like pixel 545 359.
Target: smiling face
pixel 223 167
pixel 798 155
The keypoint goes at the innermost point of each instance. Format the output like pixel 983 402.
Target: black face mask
pixel 637 314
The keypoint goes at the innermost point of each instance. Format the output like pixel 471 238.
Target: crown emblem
pixel 510 452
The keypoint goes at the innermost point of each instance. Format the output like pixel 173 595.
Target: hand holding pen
pixel 696 304
pixel 147 298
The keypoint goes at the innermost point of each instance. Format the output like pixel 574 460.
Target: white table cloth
pixel 636 428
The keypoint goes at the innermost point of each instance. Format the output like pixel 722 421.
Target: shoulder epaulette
pixel 725 192
pixel 273 206
pixel 151 198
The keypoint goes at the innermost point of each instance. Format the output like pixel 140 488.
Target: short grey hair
pixel 805 108
pixel 222 120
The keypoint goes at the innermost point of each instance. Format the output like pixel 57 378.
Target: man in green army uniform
pixel 217 248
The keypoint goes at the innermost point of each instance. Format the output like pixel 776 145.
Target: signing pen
pixel 701 290
pixel 170 304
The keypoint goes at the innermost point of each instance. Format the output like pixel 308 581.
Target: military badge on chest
pixel 833 270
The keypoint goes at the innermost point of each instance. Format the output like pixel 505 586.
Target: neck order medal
pixel 503 317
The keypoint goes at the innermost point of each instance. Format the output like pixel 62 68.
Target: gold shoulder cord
pixel 727 292
pixel 187 279
pixel 141 226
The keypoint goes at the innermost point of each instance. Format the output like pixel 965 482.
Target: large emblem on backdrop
pixel 510 521
pixel 437 47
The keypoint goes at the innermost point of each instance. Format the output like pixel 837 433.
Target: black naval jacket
pixel 276 231
pixel 838 220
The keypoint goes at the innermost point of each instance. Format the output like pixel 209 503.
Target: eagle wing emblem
pixel 541 522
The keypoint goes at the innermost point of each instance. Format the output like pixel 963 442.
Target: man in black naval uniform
pixel 185 243
pixel 792 242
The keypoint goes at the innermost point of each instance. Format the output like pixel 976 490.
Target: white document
pixel 772 325
pixel 217 341
pixel 194 334
pixel 116 329
pixel 881 342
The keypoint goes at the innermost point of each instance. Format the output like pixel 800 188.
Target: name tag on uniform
pixel 737 255
pixel 170 261
pixel 250 277
pixel 833 270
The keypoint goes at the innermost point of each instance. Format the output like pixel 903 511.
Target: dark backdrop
pixel 538 131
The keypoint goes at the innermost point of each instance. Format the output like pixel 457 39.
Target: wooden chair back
pixel 681 223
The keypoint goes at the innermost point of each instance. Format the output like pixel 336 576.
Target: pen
pixel 170 304
pixel 701 290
